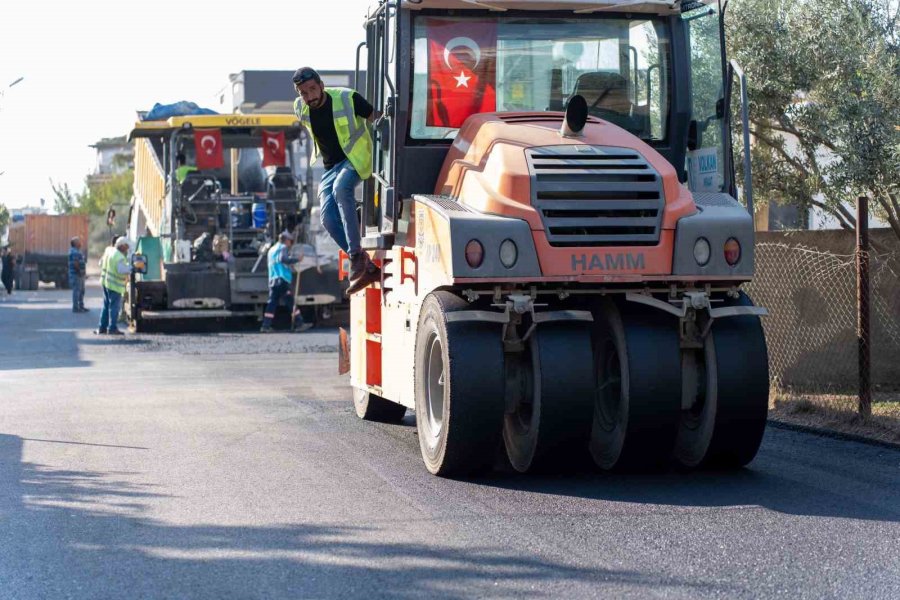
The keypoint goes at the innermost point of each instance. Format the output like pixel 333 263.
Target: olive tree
pixel 824 80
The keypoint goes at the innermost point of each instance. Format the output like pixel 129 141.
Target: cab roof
pixel 576 6
pixel 159 128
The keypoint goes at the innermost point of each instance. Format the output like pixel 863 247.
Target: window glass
pixel 705 166
pixel 465 66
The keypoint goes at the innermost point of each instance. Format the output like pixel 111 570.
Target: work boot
pixel 114 332
pixel 302 327
pixel 370 275
pixel 265 329
pixel 99 332
pixel 358 264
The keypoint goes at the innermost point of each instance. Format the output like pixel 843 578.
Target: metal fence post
pixel 863 330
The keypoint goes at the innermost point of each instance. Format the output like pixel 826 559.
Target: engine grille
pixel 596 196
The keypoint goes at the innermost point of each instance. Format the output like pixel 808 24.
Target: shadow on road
pixel 794 473
pixel 45 334
pixel 82 534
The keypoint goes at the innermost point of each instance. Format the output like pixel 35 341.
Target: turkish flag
pixel 208 146
pixel 462 70
pixel 273 149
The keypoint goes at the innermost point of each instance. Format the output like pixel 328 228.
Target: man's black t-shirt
pixel 322 121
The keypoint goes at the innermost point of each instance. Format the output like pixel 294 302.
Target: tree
pixel 824 80
pixel 97 197
pixel 64 200
pixel 100 195
pixel 4 217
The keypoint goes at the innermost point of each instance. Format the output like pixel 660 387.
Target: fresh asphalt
pixel 233 466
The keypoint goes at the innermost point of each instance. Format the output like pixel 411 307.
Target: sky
pixel 89 65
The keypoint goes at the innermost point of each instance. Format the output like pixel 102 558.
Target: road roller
pixel 554 207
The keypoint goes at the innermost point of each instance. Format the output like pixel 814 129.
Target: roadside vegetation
pixel 824 90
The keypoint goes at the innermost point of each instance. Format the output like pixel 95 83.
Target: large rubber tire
pixel 742 365
pixel 458 388
pixel 695 432
pixel 551 425
pixel 638 400
pixel 725 429
pixel 371 407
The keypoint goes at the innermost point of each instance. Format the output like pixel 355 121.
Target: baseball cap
pixel 122 241
pixel 304 74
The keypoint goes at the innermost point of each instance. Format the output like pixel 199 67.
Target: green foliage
pixel 100 195
pixel 64 200
pixel 97 196
pixel 824 80
pixel 4 217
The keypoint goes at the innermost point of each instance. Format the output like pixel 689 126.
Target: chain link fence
pixel 811 330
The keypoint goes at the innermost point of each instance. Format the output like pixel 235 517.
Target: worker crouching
pixel 280 262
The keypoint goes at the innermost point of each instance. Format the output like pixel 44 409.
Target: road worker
pixel 280 262
pixel 337 119
pixel 114 270
pixel 181 172
pixel 76 274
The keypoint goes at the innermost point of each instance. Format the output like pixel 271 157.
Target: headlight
pixel 509 254
pixel 701 251
pixel 732 251
pixel 474 253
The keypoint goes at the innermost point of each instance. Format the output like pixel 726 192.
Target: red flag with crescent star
pixel 462 70
pixel 208 144
pixel 273 149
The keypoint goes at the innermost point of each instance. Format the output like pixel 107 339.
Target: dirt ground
pixel 839 413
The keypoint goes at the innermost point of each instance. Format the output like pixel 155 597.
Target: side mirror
pixel 576 117
pixel 693 141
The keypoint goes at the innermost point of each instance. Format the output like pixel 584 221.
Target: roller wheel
pixel 638 401
pixel 742 366
pixel 371 407
pixel 458 388
pixel 698 415
pixel 550 395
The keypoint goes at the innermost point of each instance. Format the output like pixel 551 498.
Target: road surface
pixel 233 466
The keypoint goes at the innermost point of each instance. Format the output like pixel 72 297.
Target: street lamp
pixel 16 82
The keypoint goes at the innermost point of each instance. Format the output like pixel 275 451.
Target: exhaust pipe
pixel 576 117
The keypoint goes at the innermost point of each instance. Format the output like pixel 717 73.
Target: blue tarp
pixel 161 112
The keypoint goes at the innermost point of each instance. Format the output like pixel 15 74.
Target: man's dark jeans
pixel 76 282
pixel 110 315
pixel 278 289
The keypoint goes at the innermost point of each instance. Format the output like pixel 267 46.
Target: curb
pixel 829 433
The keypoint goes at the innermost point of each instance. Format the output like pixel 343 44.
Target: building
pixel 271 91
pixel 114 155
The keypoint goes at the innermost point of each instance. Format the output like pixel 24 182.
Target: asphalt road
pixel 204 466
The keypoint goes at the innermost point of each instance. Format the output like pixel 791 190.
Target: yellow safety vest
pixel 110 278
pixel 352 130
pixel 181 173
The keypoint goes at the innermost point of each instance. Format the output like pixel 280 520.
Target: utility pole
pixel 863 329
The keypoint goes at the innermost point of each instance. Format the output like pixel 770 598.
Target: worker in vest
pixel 114 270
pixel 337 120
pixel 181 172
pixel 280 274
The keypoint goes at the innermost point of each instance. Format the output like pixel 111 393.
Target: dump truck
pixel 554 208
pixel 44 241
pixel 202 231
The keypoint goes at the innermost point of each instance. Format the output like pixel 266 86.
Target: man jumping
pixel 336 119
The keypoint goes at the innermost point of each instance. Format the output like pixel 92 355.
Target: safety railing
pixel 149 184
